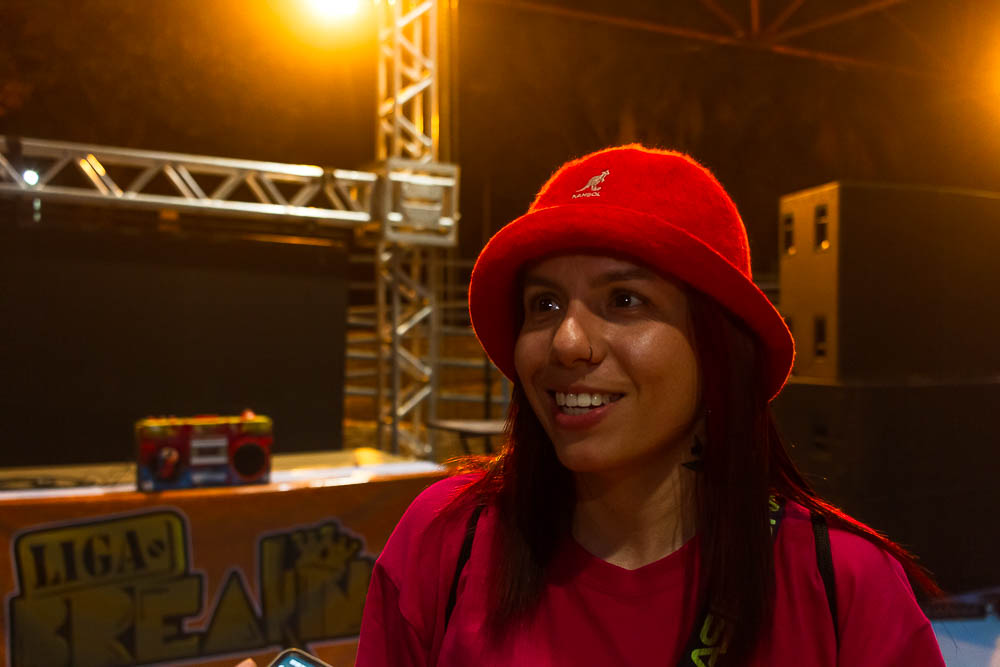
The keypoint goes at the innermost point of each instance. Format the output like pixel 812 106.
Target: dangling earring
pixel 697 449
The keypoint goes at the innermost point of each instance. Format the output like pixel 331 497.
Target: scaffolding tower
pixel 404 212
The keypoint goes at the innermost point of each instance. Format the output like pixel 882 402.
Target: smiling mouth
pixel 579 404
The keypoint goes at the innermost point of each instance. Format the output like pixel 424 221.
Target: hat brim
pixel 494 289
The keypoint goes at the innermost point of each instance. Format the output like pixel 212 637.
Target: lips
pixel 581 408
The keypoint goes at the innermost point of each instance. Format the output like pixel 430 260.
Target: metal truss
pixel 408 124
pixel 419 203
pixel 406 211
pixel 407 285
pixel 102 175
pixel 419 218
pixel 419 211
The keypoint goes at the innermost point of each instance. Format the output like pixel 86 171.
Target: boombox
pixel 182 453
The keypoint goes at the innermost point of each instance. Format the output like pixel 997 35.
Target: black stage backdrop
pixel 105 323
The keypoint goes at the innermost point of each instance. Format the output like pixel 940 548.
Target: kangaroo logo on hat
pixel 593 186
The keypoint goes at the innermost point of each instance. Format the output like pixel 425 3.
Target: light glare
pixel 329 10
pixel 30 176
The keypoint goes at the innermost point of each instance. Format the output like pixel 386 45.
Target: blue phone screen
pixel 296 661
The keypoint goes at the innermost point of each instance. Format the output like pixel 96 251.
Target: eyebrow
pixel 634 273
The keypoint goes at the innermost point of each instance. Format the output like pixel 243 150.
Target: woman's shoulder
pixel 863 564
pixel 871 584
pixel 429 523
pixel 879 619
pixel 438 497
pixel 858 560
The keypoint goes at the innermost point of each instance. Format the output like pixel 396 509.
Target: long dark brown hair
pixel 744 461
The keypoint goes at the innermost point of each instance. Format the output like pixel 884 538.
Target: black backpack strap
pixel 463 558
pixel 824 560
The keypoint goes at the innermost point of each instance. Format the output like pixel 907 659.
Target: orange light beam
pixel 785 14
pixel 837 18
pixel 617 21
pixel 723 40
pixel 860 63
pixel 724 16
pixel 916 39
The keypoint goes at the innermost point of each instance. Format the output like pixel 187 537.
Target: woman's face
pixel 607 361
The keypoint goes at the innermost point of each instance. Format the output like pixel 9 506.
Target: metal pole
pixel 395 147
pixel 397 383
pixel 434 336
pixel 382 342
pixel 435 89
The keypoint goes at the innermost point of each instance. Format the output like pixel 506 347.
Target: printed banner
pixel 203 577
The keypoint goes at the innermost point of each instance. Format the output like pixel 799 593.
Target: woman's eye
pixel 626 300
pixel 543 304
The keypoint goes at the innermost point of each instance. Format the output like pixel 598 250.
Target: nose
pixel 575 337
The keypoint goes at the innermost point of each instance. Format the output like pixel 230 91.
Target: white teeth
pixel 584 400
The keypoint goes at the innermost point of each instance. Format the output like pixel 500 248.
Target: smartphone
pixel 293 657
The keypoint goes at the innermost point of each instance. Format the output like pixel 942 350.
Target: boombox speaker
pixel 191 452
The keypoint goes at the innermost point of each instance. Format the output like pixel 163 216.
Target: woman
pixel 644 510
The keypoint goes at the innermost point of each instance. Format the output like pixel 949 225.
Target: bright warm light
pixel 30 176
pixel 329 10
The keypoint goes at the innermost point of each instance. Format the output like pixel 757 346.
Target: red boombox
pixel 182 453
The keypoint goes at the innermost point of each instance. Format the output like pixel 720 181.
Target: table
pixel 103 574
pixel 471 428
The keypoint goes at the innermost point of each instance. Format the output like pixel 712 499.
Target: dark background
pixel 919 103
pixel 262 79
pixel 103 327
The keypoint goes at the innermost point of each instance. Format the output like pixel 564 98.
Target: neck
pixel 634 517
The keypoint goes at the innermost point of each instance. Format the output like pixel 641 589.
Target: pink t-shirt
pixel 596 613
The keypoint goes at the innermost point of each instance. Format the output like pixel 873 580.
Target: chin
pixel 585 457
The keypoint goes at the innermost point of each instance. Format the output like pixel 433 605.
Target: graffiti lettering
pixel 105 552
pixel 117 592
pixel 313 584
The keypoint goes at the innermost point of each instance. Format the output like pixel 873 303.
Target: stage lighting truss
pixel 89 174
pixel 408 123
pixel 419 202
pixel 409 325
pixel 406 211
pixel 418 220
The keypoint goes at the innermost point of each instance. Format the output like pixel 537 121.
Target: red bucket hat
pixel 660 208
